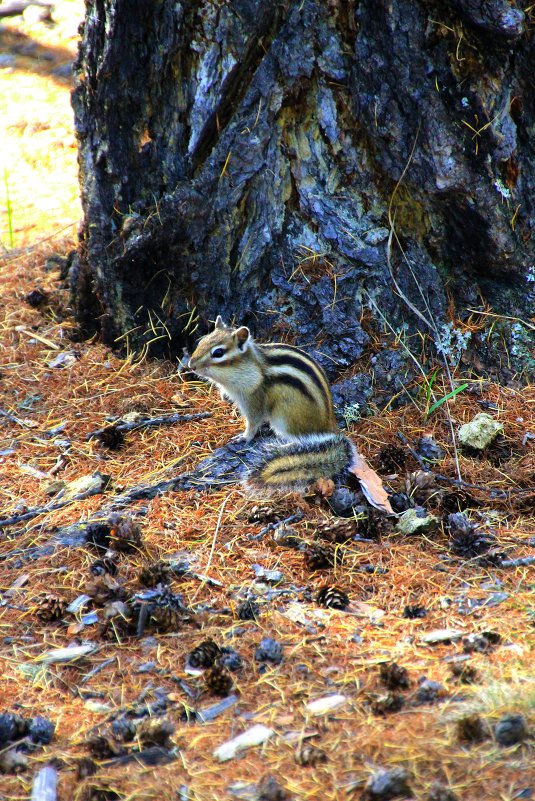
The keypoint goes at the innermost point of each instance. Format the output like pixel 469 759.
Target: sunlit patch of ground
pixel 38 173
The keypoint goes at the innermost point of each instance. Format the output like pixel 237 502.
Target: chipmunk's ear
pixel 219 322
pixel 242 336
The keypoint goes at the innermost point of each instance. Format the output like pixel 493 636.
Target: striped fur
pixel 295 465
pixel 283 386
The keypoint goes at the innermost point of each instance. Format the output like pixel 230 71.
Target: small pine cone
pixel 155 573
pixel 386 703
pixel 263 514
pixel 108 564
pixel 99 790
pixel 155 731
pixel 50 608
pixel 204 655
pixel 332 597
pixel 466 673
pixel 466 539
pixel 85 767
pixel 393 676
pixel 218 681
pixel 168 612
pixel 125 533
pixel 413 611
pixel 103 745
pixel 268 789
pixel 321 557
pixel 105 588
pixel 248 610
pixel 111 437
pixel 392 459
pixel 167 618
pixel 421 486
pixel 286 536
pixel 337 530
pixel 472 729
pixel 309 755
pixel 118 622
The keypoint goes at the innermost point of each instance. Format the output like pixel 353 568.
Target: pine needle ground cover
pixel 199 614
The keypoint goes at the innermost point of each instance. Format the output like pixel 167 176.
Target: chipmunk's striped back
pixel 285 387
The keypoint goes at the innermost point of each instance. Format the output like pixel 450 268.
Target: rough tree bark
pixel 261 159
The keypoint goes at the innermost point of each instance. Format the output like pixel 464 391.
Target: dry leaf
pixel 325 487
pixel 371 485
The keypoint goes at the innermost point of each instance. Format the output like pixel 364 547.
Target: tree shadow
pixel 20 52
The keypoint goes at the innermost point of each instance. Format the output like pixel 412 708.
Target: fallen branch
pixel 524 561
pixel 500 493
pixel 166 419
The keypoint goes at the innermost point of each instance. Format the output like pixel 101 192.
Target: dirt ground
pixel 435 720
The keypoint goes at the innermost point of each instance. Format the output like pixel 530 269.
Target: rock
pixel 256 735
pixel 479 432
pixel 429 691
pixel 439 792
pixel 321 706
pixel 269 650
pixel 511 729
pixel 386 784
pixel 429 449
pixel 415 521
pixel 63 360
pixel 12 761
pixel 441 635
pixel 42 730
pixel 343 501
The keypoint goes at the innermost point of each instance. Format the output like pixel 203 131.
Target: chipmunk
pixel 282 385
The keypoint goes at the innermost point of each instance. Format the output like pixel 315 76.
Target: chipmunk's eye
pixel 217 353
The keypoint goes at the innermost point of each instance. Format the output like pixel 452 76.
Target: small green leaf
pixel 451 394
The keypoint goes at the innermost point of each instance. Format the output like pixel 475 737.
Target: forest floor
pixel 130 714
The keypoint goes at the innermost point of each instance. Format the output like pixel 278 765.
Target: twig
pixel 460 483
pixel 218 524
pixel 524 561
pixel 44 784
pixel 13 419
pixel 167 419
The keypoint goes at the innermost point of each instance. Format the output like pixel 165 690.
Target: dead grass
pixel 334 652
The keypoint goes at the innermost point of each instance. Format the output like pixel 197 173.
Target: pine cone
pixel 168 612
pixel 204 655
pixel 105 588
pixel 155 731
pixel 125 533
pixel 218 681
pixel 248 610
pixel 392 459
pixel 118 622
pixel 103 745
pixel 332 597
pixel 320 557
pixel 108 564
pixel 263 514
pixel 393 676
pixel 155 573
pixel 336 530
pixel 50 608
pixel 388 702
pixel 111 436
pixel 307 755
pixel 466 539
pixel 421 486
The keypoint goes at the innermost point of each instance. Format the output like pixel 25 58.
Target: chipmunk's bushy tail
pixel 295 465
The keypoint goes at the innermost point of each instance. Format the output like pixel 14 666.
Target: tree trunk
pixel 320 170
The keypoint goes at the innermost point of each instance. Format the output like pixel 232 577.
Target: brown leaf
pixel 371 485
pixel 325 487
